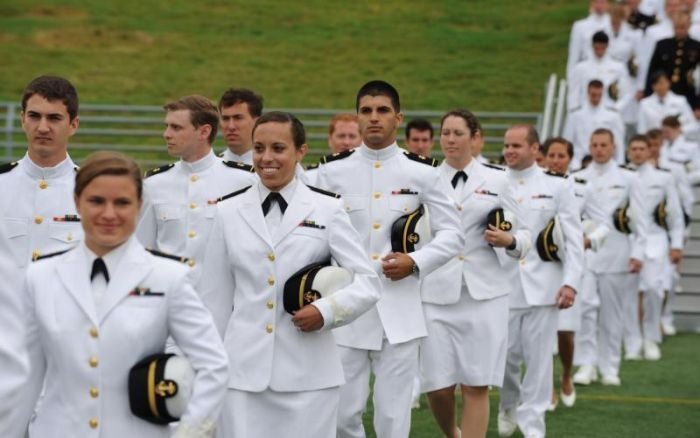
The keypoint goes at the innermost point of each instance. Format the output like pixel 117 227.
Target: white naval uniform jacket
pixel 537 197
pixel 378 187
pixel 37 216
pixel 658 185
pixel 83 351
pixel 245 269
pixel 179 204
pixel 477 265
pixel 612 186
pixel 686 153
pixel 580 46
pixel 653 109
pixel 580 124
pixel 683 185
pixel 612 73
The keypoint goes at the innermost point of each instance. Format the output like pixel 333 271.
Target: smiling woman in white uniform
pixel 466 307
pixel 285 368
pixel 96 310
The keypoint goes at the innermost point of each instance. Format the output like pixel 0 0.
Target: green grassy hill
pixel 485 55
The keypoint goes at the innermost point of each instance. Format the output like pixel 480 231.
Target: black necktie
pixel 98 266
pixel 459 175
pixel 267 203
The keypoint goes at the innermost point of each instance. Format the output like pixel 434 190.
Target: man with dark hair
pixel 180 198
pixel 593 114
pixel 381 184
pixel 38 217
pixel 239 108
pixel 419 136
pixel 664 102
pixel 541 284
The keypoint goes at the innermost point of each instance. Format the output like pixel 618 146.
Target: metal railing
pixel 137 130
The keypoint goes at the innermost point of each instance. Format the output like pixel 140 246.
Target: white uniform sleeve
pixel 192 328
pixel 347 304
pixel 444 225
pixel 146 231
pixel 674 211
pixel 638 208
pixel 570 222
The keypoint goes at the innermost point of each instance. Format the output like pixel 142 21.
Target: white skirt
pixel 310 414
pixel 466 344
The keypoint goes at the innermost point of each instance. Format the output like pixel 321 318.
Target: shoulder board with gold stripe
pixel 663 169
pixel 239 165
pixel 313 166
pixel 421 159
pixel 553 173
pixel 323 192
pixel 580 180
pixel 48 256
pixel 336 156
pixel 158 170
pixel 631 169
pixel 157 253
pixel 8 167
pixel 493 166
pixel 230 195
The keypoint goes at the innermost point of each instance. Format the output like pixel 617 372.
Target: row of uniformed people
pixel 147 299
pixel 616 57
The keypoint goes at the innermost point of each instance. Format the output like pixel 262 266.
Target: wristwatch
pixel 415 269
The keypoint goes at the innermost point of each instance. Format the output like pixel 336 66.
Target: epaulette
pixel 337 156
pixel 494 166
pixel 624 166
pixel 553 173
pixel 663 169
pixel 158 170
pixel 230 195
pixel 323 192
pixel 580 180
pixel 239 165
pixel 157 253
pixel 48 256
pixel 313 166
pixel 421 159
pixel 8 167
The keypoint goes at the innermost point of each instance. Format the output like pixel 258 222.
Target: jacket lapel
pixel 298 209
pixel 73 274
pixel 251 211
pixel 132 269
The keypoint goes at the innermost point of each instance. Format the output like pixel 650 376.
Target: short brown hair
pixel 531 136
pixel 202 112
pixel 606 131
pixel 671 122
pixel 107 163
pixel 233 96
pixel 53 88
pixel 342 117
pixel 654 134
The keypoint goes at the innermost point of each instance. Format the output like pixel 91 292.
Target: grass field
pixel 483 54
pixel 656 400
